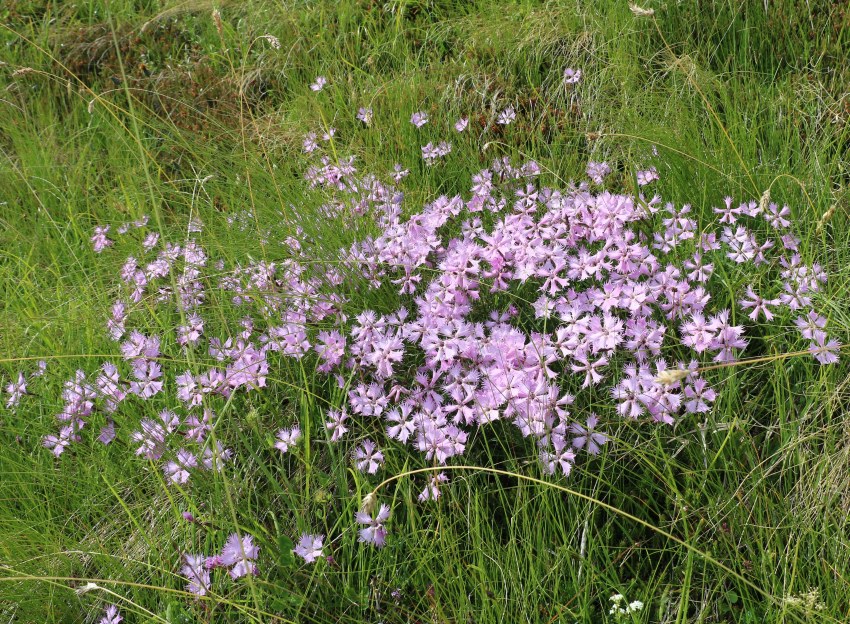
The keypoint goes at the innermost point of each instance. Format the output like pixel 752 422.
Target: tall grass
pixel 737 97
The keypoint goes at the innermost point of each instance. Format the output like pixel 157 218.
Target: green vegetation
pixel 111 110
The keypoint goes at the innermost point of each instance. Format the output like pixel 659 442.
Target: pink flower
pixel 309 547
pixel 99 240
pixel 195 571
pixel 374 532
pixel 240 554
pixel 419 119
pixel 572 76
pixel 16 390
pixel 432 488
pixel 825 352
pixel 111 616
pixel 368 457
pixel 646 176
pixel 287 438
pixel 507 116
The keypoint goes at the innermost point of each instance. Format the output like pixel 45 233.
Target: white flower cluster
pixel 621 608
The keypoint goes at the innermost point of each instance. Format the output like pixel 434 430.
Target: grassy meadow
pixel 111 110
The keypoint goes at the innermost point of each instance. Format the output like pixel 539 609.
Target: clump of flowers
pixel 809 602
pixel 621 307
pixel 238 557
pixel 620 608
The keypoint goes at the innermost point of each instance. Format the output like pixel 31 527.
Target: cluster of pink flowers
pixel 620 283
pixel 237 556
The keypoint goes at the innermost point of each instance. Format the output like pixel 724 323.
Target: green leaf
pixel 285 557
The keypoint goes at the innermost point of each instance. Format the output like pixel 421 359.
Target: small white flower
pixel 635 605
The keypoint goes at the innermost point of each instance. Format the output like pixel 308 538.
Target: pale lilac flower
pixel 401 424
pixel 368 457
pixel 115 324
pixel 597 171
pixel 111 616
pixel 151 437
pixel 197 428
pixel 727 337
pixel 776 216
pixel 192 331
pixel 374 531
pixel 195 571
pixel 592 375
pixel 365 115
pixel 107 433
pixel 399 174
pixel 461 124
pixel 16 390
pixel 99 240
pixel 812 326
pixel 825 352
pixel 188 389
pixel 432 153
pixel 150 241
pixel 309 144
pixel 240 554
pixel 58 443
pixel 432 488
pixel 562 456
pixel 589 437
pixel 309 547
pixel 728 215
pixel 644 177
pixel 287 438
pixel 215 456
pixel 572 76
pixel 506 117
pixel 178 471
pixel 758 304
pixel 698 333
pixel 320 83
pixel 419 119
pixel 336 424
pixel 140 346
pixel 699 395
pixel 331 348
pixel 147 381
pixel 39 372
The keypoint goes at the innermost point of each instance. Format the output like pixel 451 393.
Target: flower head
pixel 572 76
pixel 419 119
pixel 111 616
pixel 309 547
pixel 239 555
pixel 374 531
